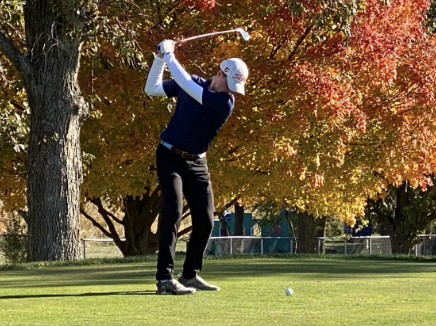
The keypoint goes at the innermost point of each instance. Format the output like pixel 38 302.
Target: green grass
pixel 96 249
pixel 327 291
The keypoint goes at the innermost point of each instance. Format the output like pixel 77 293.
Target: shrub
pixel 14 240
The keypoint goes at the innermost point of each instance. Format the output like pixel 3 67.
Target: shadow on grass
pixel 96 294
pixel 324 268
pixel 78 276
pixel 138 274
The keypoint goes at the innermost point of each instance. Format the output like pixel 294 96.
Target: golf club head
pixel 243 33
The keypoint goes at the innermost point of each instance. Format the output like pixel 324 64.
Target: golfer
pixel 203 106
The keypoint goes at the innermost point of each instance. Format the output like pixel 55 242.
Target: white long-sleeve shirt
pixel 153 86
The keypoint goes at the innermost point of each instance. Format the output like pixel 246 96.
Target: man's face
pixel 220 82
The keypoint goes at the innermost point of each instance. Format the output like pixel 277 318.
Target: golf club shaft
pixel 244 35
pixel 205 35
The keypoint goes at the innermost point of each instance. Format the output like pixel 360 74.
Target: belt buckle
pixel 185 154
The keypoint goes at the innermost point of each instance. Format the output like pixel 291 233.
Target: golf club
pixel 243 33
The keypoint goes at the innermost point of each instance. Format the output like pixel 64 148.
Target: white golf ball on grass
pixel 288 291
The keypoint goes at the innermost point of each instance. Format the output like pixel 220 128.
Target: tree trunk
pixel 225 230
pixel 239 220
pixel 54 158
pixel 307 233
pixel 394 226
pixel 321 228
pixel 140 214
pixel 433 248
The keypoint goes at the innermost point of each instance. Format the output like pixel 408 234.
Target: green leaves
pixel 431 18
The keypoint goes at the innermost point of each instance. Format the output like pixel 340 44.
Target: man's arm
pixel 183 79
pixel 153 85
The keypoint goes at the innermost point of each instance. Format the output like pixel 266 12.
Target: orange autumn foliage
pixel 339 100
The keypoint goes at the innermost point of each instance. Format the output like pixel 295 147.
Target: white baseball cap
pixel 237 73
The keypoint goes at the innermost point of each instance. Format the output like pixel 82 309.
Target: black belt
pixel 185 155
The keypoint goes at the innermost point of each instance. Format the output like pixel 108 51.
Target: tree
pixel 43 42
pixel 335 103
pixel 123 131
pixel 339 102
pixel 403 214
pixel 13 141
pixel 239 219
pixel 46 55
pixel 313 128
pixel 137 222
pixel 301 224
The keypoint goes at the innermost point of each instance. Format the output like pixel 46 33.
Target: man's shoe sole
pixel 171 293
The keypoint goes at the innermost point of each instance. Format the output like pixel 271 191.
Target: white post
pixel 84 248
pixel 231 246
pixel 370 245
pixel 261 245
pixel 319 246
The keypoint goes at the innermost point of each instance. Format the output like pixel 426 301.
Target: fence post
pixel 345 246
pixel 84 248
pixel 261 246
pixel 292 245
pixel 370 246
pixel 231 246
pixel 318 245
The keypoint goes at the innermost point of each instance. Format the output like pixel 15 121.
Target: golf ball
pixel 288 291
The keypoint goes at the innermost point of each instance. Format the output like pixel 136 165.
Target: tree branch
pixel 184 231
pixel 186 215
pixel 229 204
pixel 18 106
pixel 11 172
pixel 96 224
pixel 299 41
pixel 233 150
pixel 21 63
pixel 277 48
pixel 187 229
pixel 24 215
pixel 105 214
pixel 129 235
pixel 116 219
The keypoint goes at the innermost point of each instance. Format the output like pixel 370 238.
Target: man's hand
pixel 166 46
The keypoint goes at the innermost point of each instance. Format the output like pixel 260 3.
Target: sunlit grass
pixel 327 291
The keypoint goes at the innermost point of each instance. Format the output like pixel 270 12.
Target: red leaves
pixel 323 110
pixel 384 33
pixel 200 4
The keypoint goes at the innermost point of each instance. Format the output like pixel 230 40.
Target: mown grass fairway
pixel 326 292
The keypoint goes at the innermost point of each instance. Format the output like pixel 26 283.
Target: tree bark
pixel 239 220
pixel 307 232
pixel 399 238
pixel 321 227
pixel 140 214
pixel 223 223
pixel 54 158
pixel 433 248
pixel 224 226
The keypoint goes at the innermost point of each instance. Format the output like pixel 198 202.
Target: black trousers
pixel 178 177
